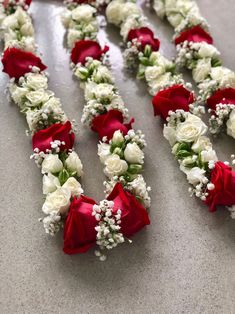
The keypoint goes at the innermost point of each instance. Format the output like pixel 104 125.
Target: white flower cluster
pixel 202 58
pixel 40 106
pixel 123 155
pixel 108 228
pixel 100 93
pixel 18 30
pixel 193 150
pixel 60 169
pixel 224 115
pixel 81 23
pixel 199 57
pixel 181 14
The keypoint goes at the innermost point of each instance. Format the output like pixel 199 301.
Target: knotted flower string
pixel 195 51
pixel 210 180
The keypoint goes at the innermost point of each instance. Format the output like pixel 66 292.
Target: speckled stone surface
pixel 183 263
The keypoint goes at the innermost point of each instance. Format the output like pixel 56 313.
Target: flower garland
pixel 52 133
pixel 195 51
pixel 120 148
pixel 210 180
pixel 52 140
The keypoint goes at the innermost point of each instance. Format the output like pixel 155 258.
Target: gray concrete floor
pixel 183 263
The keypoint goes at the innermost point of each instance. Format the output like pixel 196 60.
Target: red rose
pixel 222 96
pixel 223 178
pixel 106 124
pixel 26 2
pixel 57 131
pixel 87 48
pixel 79 229
pixel 144 36
pixel 134 216
pixel 195 34
pixel 17 63
pixel 171 99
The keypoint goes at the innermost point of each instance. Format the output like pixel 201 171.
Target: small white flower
pixel 37 97
pixel 190 129
pixel 133 154
pixel 170 134
pixel 83 13
pixel 36 81
pixel 208 155
pixel 202 143
pixel 50 183
pixel 195 175
pixel 73 36
pixel 202 70
pixel 103 151
pixel 74 186
pixel 207 51
pixel 73 163
pixel 52 164
pixel 117 137
pixel 58 201
pixel 115 166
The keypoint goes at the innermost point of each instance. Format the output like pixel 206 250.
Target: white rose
pixel 102 73
pixel 10 36
pixel 18 93
pixel 115 166
pixel 57 201
pixel 22 16
pixel 73 163
pixel 37 97
pixel 159 7
pixel 191 129
pixel 104 91
pixel 195 175
pixel 129 8
pixel 10 22
pixel 207 51
pixel 114 12
pixel 50 183
pixel 83 13
pixel 133 154
pixel 202 143
pixel 231 124
pixel 73 36
pixel 160 82
pixel 103 151
pixel 29 44
pixel 36 81
pixel 27 29
pixel 152 72
pixel 208 155
pixel 117 137
pixel 53 103
pixel 74 186
pixel 202 70
pixel 170 134
pixel 52 164
pixel 66 18
pixel 223 76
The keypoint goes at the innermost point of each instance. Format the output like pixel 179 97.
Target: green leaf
pixel 63 176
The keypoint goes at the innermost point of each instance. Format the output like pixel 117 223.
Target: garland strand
pixel 121 147
pixel 85 222
pixel 196 52
pixel 210 180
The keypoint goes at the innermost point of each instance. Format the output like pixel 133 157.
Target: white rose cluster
pixel 121 154
pixel 192 148
pixel 81 23
pixel 18 30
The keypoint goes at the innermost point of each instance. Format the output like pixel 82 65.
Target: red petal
pixel 17 63
pixel 195 34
